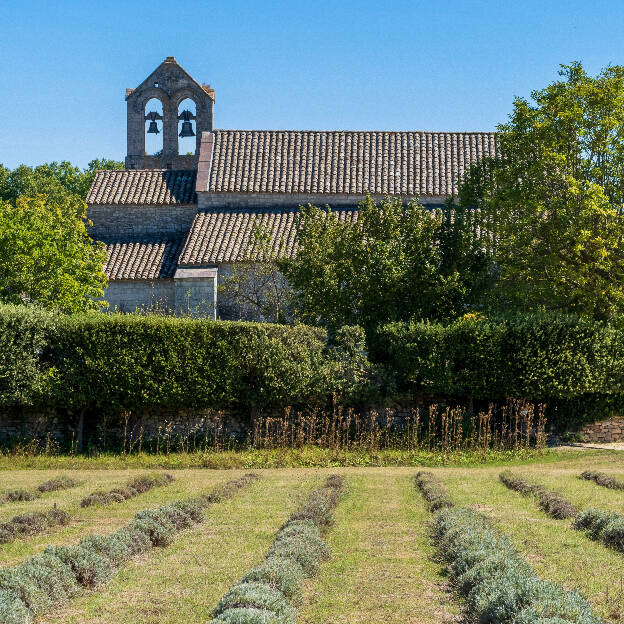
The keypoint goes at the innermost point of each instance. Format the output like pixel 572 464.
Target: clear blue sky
pixel 412 65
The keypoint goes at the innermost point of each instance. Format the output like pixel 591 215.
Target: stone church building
pixel 174 223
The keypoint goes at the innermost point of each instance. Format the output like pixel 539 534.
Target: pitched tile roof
pixel 283 161
pixel 225 235
pixel 143 187
pixel 142 259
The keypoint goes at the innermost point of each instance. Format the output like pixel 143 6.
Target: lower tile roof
pixel 143 259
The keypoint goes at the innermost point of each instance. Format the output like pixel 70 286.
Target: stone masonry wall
pixel 611 430
pixel 130 295
pixel 139 221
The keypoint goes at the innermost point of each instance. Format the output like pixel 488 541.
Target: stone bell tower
pixel 170 84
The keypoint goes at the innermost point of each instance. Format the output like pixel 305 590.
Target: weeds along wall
pixel 575 366
pixel 128 362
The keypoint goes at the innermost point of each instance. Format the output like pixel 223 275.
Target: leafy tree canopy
pixel 46 255
pixel 395 262
pixel 554 198
pixel 55 180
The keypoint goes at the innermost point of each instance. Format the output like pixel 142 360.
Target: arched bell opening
pixel 153 127
pixel 187 127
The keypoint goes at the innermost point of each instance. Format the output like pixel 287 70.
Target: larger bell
pixel 187 129
pixel 153 128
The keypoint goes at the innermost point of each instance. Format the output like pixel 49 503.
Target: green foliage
pixel 395 262
pixel 498 584
pixel 56 180
pixel 283 574
pixel 255 596
pixel 541 357
pixel 127 362
pixel 600 478
pixel 24 334
pixel 47 257
pixel 433 491
pixel 251 616
pixel 553 199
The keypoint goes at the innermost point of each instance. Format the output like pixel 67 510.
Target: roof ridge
pixel 356 131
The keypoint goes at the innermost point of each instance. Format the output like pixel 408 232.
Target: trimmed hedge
pixel 433 491
pixel 552 503
pixel 126 362
pixel 31 523
pixel 134 487
pixel 600 478
pixel 43 581
pixel 543 357
pixel 268 593
pixel 498 584
pixel 603 526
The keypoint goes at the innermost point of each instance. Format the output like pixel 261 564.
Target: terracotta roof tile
pixel 143 187
pixel 142 259
pixel 401 163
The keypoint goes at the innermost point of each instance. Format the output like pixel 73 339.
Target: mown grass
pixel 383 566
pixel 305 457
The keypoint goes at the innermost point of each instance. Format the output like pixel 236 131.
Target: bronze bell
pixel 153 128
pixel 187 129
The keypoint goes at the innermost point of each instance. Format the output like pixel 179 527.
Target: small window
pixel 156 85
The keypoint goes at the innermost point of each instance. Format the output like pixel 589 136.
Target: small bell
pixel 153 128
pixel 187 130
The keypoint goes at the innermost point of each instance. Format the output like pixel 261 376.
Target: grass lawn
pixel 383 566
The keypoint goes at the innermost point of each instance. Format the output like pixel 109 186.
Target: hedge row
pixel 131 361
pixel 552 503
pixel 498 584
pixel 134 487
pixel 433 491
pixel 605 480
pixel 604 526
pixel 43 581
pixel 269 593
pixel 52 485
pixel 31 523
pixel 542 357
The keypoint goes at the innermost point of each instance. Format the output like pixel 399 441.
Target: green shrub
pixel 90 568
pixel 283 574
pixel 563 361
pixel 498 584
pixel 550 502
pixel 255 596
pixel 251 616
pixel 605 480
pixel 433 491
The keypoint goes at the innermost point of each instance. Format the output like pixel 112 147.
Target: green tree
pixel 55 180
pixel 395 262
pixel 46 255
pixel 554 197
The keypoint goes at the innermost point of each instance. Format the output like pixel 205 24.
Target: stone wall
pixel 130 222
pixel 131 295
pixel 611 430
